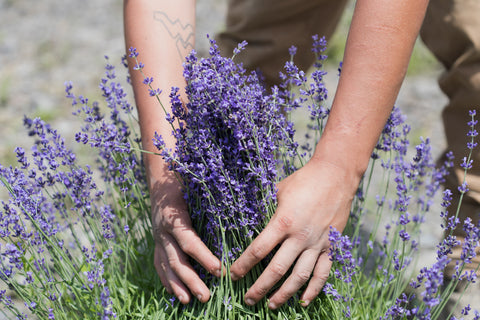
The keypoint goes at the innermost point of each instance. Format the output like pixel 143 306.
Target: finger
pixel 161 267
pixel 169 279
pixel 300 275
pixel 318 280
pixel 275 270
pixel 265 242
pixel 178 262
pixel 192 245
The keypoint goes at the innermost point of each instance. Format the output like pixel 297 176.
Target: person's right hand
pixel 175 240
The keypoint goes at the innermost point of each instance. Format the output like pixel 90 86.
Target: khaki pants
pixel 451 31
pixel 271 27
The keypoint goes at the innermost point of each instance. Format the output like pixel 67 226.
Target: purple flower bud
pixel 133 52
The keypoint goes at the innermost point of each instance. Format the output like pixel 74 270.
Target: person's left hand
pixel 315 197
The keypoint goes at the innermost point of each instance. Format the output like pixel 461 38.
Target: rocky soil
pixel 45 43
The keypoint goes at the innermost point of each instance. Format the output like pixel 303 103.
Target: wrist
pixel 343 155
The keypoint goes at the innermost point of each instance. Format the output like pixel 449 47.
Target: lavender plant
pixel 68 237
pixel 76 240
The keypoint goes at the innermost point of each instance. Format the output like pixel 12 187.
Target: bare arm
pixel 379 46
pixel 319 195
pixel 163 33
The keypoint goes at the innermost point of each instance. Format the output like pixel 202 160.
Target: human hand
pixel 175 240
pixel 315 197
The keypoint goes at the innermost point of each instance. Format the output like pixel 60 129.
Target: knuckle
pixel 282 296
pixel 174 264
pixel 278 269
pixel 284 223
pixel 259 291
pixel 185 239
pixel 304 234
pixel 320 278
pixel 314 290
pixel 187 247
pixel 162 266
pixel 302 276
pixel 257 252
pixel 162 220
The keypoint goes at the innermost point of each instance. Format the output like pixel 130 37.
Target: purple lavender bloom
pixel 471 240
pixel 50 314
pixel 341 254
pixel 466 164
pixel 240 47
pixel 53 198
pixel 433 279
pixel 477 315
pixel 404 235
pixel 172 300
pixel 466 310
pixel 77 183
pixel 292 50
pixel 132 52
pixel 106 302
pixel 319 45
pixel 96 270
pixel 392 131
pixel 330 290
pixel 400 309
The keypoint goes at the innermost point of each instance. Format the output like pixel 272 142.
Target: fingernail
pixel 217 273
pixel 234 276
pixel 199 297
pixel 305 303
pixel 182 299
pixel 272 305
pixel 249 301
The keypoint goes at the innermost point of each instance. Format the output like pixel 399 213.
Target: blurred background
pixel 43 44
pixel 46 43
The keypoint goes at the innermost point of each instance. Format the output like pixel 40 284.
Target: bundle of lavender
pixel 77 248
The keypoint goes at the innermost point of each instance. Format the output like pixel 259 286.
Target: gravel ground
pixel 45 43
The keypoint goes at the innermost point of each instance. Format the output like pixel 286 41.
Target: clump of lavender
pixel 67 237
pixel 50 197
pixel 436 293
pixel 230 137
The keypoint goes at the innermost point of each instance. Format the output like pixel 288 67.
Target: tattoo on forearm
pixel 182 34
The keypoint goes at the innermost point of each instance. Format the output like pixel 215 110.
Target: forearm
pixel 379 45
pixel 163 34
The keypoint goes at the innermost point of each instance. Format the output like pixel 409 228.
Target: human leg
pixel 272 26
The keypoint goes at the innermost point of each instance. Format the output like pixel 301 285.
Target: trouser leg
pixel 451 31
pixel 271 27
